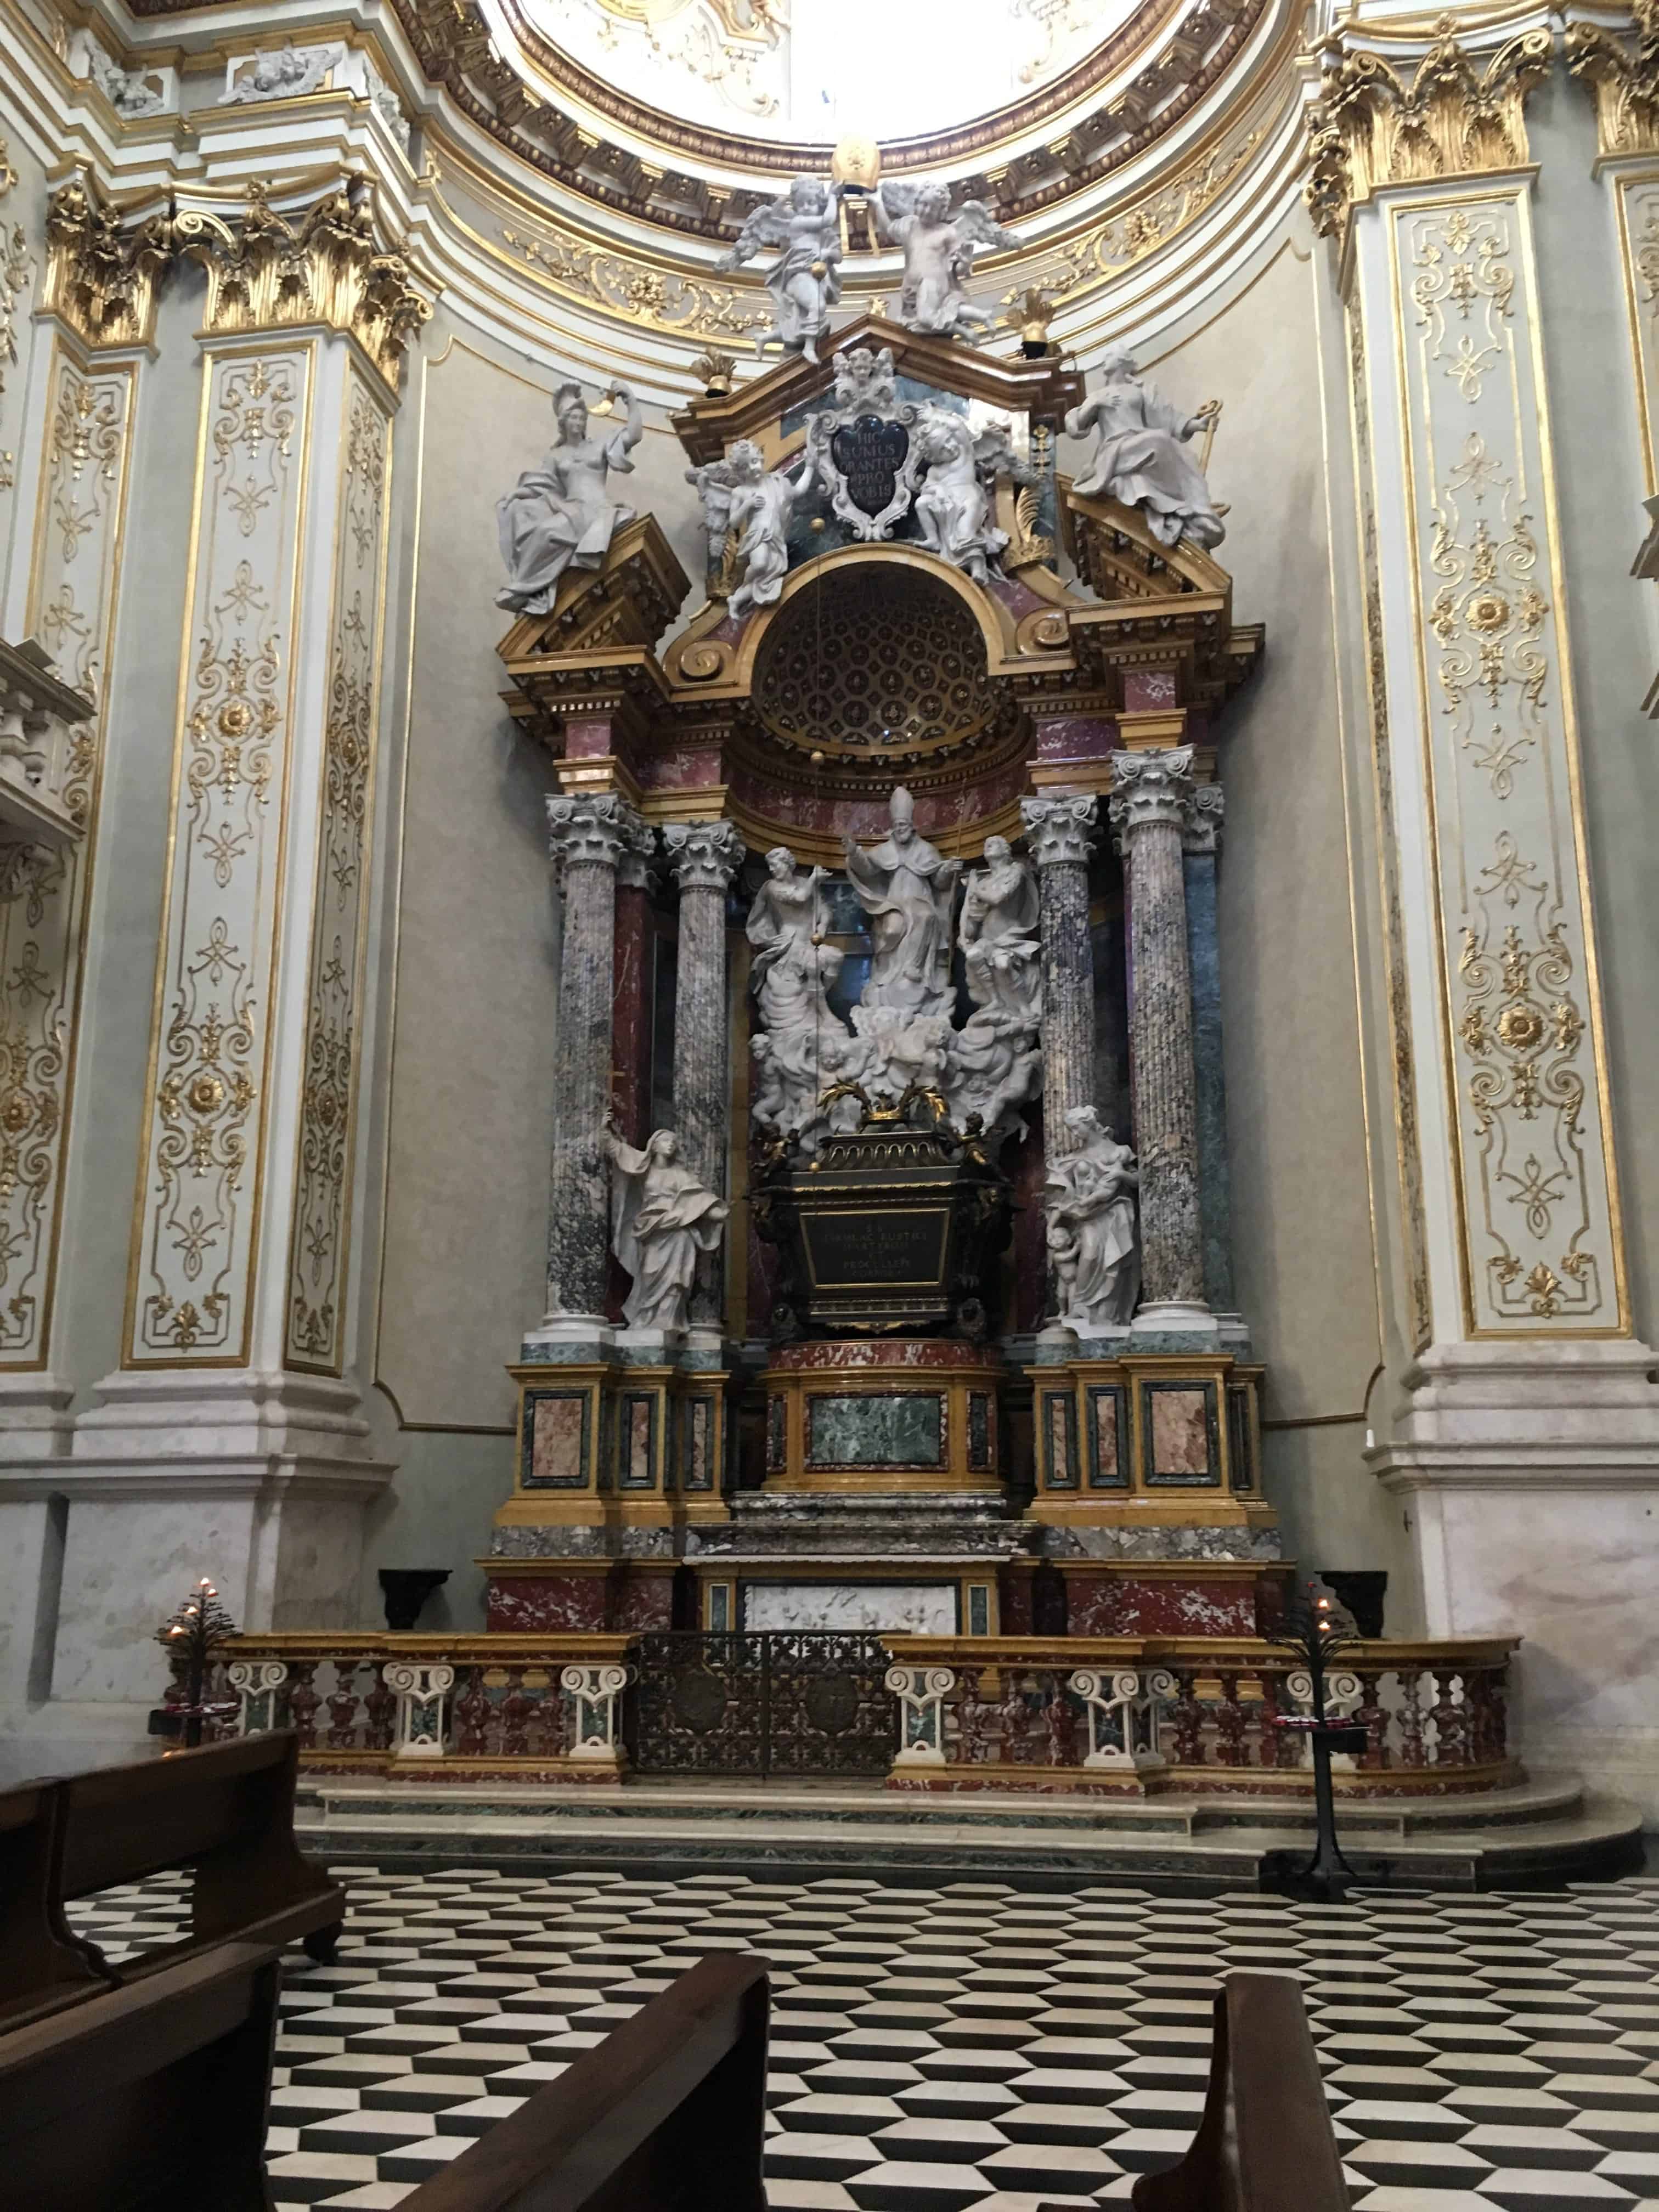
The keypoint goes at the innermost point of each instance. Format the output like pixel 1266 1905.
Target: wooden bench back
pixel 667 2115
pixel 40 1961
pixel 126 1822
pixel 1264 2143
pixel 156 2095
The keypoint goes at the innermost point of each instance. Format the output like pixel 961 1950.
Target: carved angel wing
pixel 895 200
pixel 994 454
pixel 978 226
pixel 766 225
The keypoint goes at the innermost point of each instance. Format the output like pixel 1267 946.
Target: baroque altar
pixel 889 1277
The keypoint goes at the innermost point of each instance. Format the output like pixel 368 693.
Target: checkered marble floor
pixel 977 2046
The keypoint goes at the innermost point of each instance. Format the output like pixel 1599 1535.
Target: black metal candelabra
pixel 191 1637
pixel 1316 1629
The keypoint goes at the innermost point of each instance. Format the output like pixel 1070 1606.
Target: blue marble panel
pixel 904 1429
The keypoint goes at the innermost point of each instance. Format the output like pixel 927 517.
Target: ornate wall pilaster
pixel 1059 829
pixel 704 856
pixel 16 271
pixel 251 1105
pixel 587 838
pixel 1151 808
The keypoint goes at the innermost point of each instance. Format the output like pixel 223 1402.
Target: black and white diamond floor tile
pixel 969 2049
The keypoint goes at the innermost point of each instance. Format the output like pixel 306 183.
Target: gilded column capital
pixel 1201 831
pixel 1059 828
pixel 1368 127
pixel 269 271
pixel 104 266
pixel 600 831
pixel 1623 76
pixel 1151 789
pixel 704 855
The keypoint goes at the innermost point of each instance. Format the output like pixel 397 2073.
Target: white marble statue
pixel 761 504
pixel 131 93
pixel 1141 456
pixel 661 1218
pixel 287 73
pixel 994 1066
pixel 954 506
pixel 939 247
pixel 907 889
pixel 1090 1204
pixel 791 970
pixel 998 934
pixel 905 1048
pixel 805 281
pixel 557 516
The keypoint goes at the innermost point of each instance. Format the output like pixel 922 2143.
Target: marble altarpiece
pixel 931 832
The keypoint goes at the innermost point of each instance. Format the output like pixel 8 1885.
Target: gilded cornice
pixel 1624 78
pixel 1455 118
pixel 266 272
pixel 569 125
pixel 104 266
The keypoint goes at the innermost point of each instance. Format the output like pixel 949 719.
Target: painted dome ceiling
pixel 816 71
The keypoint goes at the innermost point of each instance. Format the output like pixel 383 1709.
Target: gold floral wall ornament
pixel 1624 78
pixel 1088 265
pixel 1370 128
pixel 269 271
pixel 610 282
pixel 104 264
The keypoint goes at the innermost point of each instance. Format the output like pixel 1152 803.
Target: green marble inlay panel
pixel 904 1430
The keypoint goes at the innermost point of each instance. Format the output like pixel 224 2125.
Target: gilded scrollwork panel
pixel 43 893
pixel 17 269
pixel 321 1232
pixel 197 1224
pixel 1539 1220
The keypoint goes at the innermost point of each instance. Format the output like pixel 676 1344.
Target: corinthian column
pixel 1057 832
pixel 587 838
pixel 704 857
pixel 1151 807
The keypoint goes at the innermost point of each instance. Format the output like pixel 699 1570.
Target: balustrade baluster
pixel 1187 1720
pixel 517 1710
pixel 1060 1722
pixel 1374 1720
pixel 1412 1748
pixel 381 1706
pixel 1451 1746
pixel 342 1703
pixel 1229 1725
pixel 472 1713
pixel 303 1700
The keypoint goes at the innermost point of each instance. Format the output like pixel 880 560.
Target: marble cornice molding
pixel 1622 74
pixel 1458 114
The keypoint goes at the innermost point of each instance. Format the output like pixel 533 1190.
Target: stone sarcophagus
pixel 888 1229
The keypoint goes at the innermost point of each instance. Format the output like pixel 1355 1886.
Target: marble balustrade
pixel 1135 1715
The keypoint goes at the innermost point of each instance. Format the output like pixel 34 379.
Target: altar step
pixel 1547 1831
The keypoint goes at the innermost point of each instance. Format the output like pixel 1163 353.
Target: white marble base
pixel 1529 1475
pixel 1168 1313
pixel 902 1609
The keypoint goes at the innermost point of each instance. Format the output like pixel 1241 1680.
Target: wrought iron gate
pixel 783 1701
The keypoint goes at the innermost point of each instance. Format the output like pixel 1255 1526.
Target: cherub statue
pixel 661 1218
pixel 994 1066
pixel 805 281
pixel 762 501
pixel 939 249
pixel 998 933
pixel 1090 1204
pixel 1141 457
pixel 557 517
pixel 953 506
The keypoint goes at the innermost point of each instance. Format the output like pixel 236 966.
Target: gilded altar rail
pixel 1126 1715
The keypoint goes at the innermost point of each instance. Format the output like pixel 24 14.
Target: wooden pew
pixel 1264 2143
pixel 667 2115
pixel 42 1964
pixel 227 1813
pixel 151 2096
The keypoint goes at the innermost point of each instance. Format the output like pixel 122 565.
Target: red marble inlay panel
pixel 1074 736
pixel 1119 1602
pixel 644 1601
pixel 900 1352
pixel 533 1605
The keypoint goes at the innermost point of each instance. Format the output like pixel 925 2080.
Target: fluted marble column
pixel 1151 805
pixel 704 857
pixel 1058 826
pixel 587 838
pixel 1201 847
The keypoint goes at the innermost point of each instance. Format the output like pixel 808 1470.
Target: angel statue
pixel 1141 456
pixel 762 501
pixel 1090 1205
pixel 953 507
pixel 939 253
pixel 998 933
pixel 661 1218
pixel 557 517
pixel 805 281
pixel 791 970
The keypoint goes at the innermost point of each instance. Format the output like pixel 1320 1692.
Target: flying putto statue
pixel 938 248
pixel 805 281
